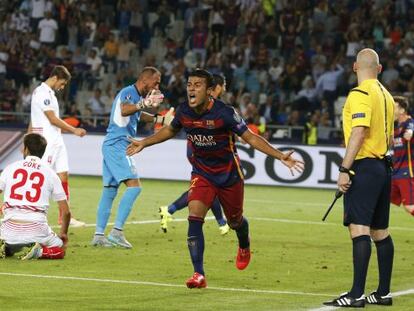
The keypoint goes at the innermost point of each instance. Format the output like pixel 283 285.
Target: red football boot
pixel 243 258
pixel 196 281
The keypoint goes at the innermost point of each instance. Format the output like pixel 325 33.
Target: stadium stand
pixel 9 140
pixel 286 62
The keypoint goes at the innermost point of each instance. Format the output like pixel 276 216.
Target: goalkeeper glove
pixel 153 99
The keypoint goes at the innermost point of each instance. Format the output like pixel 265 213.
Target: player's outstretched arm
pixel 58 122
pixel 261 144
pixel 164 134
pixel 65 212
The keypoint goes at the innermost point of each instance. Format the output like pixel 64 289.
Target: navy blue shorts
pixel 367 202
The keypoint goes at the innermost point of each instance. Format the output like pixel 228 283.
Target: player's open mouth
pixel 192 98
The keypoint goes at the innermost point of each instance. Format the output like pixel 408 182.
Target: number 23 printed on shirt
pixel 37 179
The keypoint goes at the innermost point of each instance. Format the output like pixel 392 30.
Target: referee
pixel 368 128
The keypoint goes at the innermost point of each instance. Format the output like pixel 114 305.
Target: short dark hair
pixel 148 71
pixel 202 73
pixel 61 72
pixel 402 102
pixel 35 143
pixel 218 79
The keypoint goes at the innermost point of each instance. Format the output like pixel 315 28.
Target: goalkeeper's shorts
pixel 117 166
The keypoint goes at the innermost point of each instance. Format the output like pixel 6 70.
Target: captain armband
pixel 159 119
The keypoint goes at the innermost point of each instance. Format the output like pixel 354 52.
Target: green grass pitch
pixel 297 260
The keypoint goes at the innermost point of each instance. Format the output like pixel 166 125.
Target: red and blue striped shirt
pixel 403 150
pixel 211 147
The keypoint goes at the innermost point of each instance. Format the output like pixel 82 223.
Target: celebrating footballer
pixel 211 126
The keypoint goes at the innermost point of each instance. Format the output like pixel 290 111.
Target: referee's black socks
pixel 361 246
pixel 385 255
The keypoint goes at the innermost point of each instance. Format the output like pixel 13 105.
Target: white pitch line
pixel 396 294
pixel 282 220
pixel 167 196
pixel 403 292
pixel 74 278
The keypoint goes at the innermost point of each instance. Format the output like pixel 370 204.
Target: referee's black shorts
pixel 367 202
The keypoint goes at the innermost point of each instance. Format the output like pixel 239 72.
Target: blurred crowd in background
pixel 286 63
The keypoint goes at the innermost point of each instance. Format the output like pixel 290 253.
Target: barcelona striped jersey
pixel 403 150
pixel 211 148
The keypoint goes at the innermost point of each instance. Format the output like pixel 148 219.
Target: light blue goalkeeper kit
pixel 117 166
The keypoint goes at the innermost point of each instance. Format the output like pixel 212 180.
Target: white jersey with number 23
pixel 28 185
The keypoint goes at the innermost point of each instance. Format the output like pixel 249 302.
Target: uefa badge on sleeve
pixel 237 117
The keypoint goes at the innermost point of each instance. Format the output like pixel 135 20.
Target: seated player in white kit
pixel 28 185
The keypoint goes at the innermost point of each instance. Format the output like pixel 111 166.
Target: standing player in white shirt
pixel 45 120
pixel 28 185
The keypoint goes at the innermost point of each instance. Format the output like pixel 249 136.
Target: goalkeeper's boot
pixel 31 251
pixel 346 301
pixel 2 249
pixel 196 281
pixel 117 237
pixel 375 299
pixel 243 258
pixel 166 217
pixel 101 241
pixel 224 229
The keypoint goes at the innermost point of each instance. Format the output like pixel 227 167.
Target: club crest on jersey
pixel 398 142
pixel 47 102
pixel 210 124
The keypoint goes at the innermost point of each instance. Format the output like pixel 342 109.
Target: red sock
pixel 412 212
pixel 65 186
pixel 55 252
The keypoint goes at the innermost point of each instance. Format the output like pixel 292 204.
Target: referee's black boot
pixel 345 301
pixel 375 299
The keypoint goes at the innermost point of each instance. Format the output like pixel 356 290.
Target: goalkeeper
pixel 118 168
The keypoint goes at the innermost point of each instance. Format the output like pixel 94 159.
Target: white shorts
pixel 56 157
pixel 24 233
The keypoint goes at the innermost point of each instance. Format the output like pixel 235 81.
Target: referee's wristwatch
pixel 350 173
